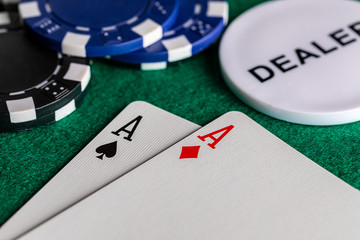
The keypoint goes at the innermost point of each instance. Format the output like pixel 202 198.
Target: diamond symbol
pixel 190 152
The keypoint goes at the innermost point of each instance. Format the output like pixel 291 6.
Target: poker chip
pixel 35 81
pixel 98 28
pixel 296 61
pixel 142 67
pixel 45 120
pixel 198 25
pixel 9 21
pixel 9 4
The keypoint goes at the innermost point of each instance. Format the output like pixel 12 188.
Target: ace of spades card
pixel 138 133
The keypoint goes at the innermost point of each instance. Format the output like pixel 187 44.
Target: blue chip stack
pixel 151 33
pixel 98 28
pixel 199 24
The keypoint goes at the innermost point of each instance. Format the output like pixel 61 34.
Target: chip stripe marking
pixel 178 48
pixel 21 110
pixel 79 72
pixel 65 111
pixel 218 9
pixel 4 18
pixel 16 93
pixel 153 66
pixel 75 44
pixel 29 9
pixel 132 20
pixel 48 8
pixel 84 29
pixel 197 9
pixel 57 69
pixel 109 28
pixel 150 31
pixel 5 2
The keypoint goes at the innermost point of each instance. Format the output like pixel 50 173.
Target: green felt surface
pixel 193 90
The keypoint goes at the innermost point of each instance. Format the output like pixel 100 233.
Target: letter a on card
pixel 223 131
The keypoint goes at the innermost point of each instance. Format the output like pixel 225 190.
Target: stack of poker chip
pixel 46 71
pixel 38 86
pixel 149 33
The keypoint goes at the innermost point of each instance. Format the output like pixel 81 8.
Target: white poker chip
pixel 298 61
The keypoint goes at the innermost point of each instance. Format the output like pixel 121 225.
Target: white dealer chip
pixel 298 61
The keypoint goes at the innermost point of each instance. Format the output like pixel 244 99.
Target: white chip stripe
pixel 132 20
pixel 218 9
pixel 65 111
pixel 153 66
pixel 16 93
pixel 150 31
pixel 9 1
pixel 40 85
pixel 84 29
pixel 57 69
pixel 188 23
pixel 21 110
pixel 48 7
pixel 197 9
pixel 29 9
pixel 4 18
pixel 75 44
pixel 178 48
pixel 109 28
pixel 169 33
pixel 79 72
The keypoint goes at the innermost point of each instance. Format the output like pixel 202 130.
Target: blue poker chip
pixel 95 28
pixel 198 25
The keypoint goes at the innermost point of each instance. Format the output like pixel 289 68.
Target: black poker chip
pixel 9 5
pixel 9 20
pixel 35 81
pixel 45 120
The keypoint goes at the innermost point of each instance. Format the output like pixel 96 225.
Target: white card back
pixel 86 173
pixel 251 186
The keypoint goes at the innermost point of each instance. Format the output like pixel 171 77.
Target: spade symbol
pixel 107 150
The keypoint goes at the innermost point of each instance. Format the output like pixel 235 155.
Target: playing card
pixel 230 180
pixel 138 133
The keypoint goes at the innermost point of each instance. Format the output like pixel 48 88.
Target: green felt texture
pixel 193 90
